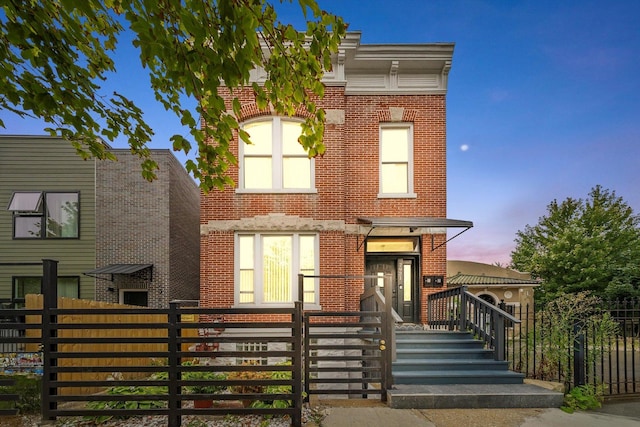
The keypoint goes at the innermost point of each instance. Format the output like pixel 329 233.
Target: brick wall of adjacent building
pixel 141 222
pixel 346 178
pixel 184 234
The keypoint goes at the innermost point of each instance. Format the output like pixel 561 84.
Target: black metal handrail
pixel 458 309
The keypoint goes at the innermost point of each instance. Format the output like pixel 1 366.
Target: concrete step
pixel 444 353
pixel 428 344
pixel 473 396
pixel 437 335
pixel 457 377
pixel 449 365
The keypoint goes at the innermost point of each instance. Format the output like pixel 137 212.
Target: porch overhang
pixel 124 269
pixel 418 225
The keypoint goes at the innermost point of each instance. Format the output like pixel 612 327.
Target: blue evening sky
pixel 543 103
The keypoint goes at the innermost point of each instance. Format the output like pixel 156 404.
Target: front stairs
pixel 449 369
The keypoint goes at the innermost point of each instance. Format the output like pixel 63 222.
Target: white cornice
pixel 395 69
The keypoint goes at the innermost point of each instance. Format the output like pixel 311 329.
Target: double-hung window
pixel 45 215
pixel 267 268
pixel 396 160
pixel 275 161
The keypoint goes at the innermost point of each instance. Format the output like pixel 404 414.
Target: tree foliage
pixel 580 245
pixel 561 321
pixel 56 54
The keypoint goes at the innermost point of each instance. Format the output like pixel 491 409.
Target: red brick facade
pixel 347 184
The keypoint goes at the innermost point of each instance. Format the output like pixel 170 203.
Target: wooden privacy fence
pixel 94 328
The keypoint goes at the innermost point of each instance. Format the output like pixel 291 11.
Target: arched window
pixel 488 298
pixel 275 161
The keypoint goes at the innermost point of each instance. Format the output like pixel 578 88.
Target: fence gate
pixel 345 354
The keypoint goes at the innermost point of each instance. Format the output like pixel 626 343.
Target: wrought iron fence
pixel 610 361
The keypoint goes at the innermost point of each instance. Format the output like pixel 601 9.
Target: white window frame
pixel 410 176
pixel 277 161
pixel 258 291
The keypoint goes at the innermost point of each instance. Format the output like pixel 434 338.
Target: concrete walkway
pixel 376 414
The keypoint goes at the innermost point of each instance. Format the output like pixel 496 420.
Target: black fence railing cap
pixel 491 307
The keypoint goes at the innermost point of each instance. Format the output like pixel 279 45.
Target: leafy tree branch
pixel 56 54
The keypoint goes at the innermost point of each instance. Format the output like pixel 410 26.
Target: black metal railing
pixel 458 309
pixel 582 356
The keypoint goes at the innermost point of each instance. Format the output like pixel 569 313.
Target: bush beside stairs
pixel 450 369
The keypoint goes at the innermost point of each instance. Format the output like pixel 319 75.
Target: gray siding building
pixel 117 237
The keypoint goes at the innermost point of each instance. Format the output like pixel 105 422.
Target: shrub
pixel 583 397
pixel 203 376
pixel 27 387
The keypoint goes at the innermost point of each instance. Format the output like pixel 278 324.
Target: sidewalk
pixel 376 414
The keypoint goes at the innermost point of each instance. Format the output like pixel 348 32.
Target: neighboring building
pixel 117 237
pixel 494 284
pixel 375 203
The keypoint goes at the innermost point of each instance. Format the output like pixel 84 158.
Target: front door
pixel 403 282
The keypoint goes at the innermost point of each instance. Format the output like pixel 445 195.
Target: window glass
pixel 139 298
pixel 246 264
pixel 26 201
pixel 261 136
pixel 394 178
pixel 395 160
pixel 394 145
pixel 392 245
pixel 58 219
pixel 275 160
pixel 307 267
pixel 276 258
pixel 26 227
pixel 62 214
pixel 258 173
pixel 268 272
pixel 296 172
pixel 67 286
pixel 290 133
pixel 25 286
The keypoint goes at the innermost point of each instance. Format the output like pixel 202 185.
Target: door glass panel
pixel 406 272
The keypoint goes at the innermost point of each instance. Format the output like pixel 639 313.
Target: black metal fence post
pixel 296 375
pixel 463 309
pixel 579 374
pixel 499 330
pixel 175 419
pixel 49 333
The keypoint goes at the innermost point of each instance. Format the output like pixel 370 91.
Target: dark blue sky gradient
pixel 545 96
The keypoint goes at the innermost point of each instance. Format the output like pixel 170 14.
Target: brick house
pixel 375 203
pixel 126 241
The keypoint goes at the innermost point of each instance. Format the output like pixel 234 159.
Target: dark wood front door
pixel 403 282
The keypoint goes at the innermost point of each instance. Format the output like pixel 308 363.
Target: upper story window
pixel 396 160
pixel 275 162
pixel 49 215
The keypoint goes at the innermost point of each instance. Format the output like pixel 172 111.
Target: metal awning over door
pixel 125 269
pixel 426 225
